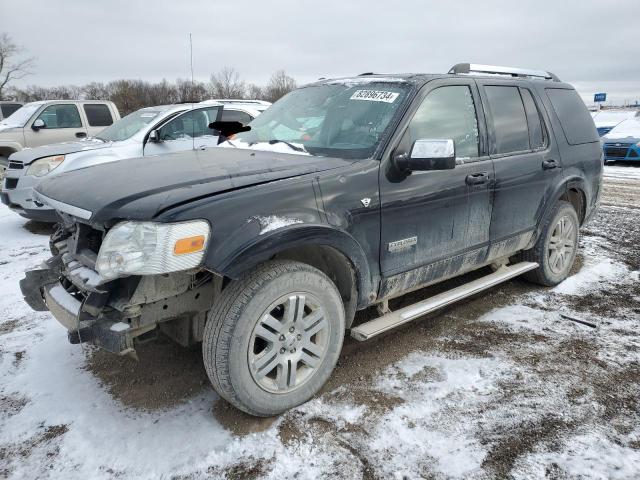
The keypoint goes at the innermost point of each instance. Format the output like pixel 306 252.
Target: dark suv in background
pixel 344 194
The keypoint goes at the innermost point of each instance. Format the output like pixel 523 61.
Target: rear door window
pixel 511 132
pixel 98 115
pixel 577 124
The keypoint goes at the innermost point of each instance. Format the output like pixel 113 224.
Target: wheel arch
pixel 332 251
pixel 573 190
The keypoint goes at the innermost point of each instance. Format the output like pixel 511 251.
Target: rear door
pixel 187 131
pixel 435 224
pixel 527 164
pixel 62 121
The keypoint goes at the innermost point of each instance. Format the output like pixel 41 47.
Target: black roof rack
pixel 471 68
pixel 365 74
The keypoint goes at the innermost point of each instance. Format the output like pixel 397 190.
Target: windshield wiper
pixel 290 145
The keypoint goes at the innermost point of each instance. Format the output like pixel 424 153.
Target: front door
pixel 185 132
pixel 527 165
pixel 435 224
pixel 62 123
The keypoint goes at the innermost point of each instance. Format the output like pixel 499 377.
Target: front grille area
pixel 10 183
pixel 15 165
pixel 615 151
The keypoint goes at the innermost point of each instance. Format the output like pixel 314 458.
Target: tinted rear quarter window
pixel 8 108
pixel 509 119
pixel 98 115
pixel 577 124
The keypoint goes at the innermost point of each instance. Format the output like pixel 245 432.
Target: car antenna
pixel 193 123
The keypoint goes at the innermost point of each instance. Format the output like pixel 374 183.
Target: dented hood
pixel 140 188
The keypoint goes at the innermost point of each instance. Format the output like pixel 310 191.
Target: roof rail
pixel 365 74
pixel 470 68
pixel 240 100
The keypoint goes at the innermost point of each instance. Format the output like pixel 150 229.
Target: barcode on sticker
pixel 375 96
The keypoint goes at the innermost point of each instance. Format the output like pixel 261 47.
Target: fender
pixel 262 248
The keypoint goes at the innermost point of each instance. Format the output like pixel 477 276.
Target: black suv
pixel 342 195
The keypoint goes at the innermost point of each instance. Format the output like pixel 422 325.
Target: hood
pixel 28 155
pixel 140 188
pixel 7 126
pixel 627 131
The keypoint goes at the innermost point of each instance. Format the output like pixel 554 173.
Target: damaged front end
pixel 116 314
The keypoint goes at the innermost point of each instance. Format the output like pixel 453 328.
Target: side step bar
pixel 392 320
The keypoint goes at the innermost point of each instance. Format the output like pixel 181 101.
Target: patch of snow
pixel 419 431
pixel 352 82
pixel 279 147
pixel 591 275
pixel 590 455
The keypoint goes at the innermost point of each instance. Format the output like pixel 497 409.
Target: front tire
pixel 555 250
pixel 274 337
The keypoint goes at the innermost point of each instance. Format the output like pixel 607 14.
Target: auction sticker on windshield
pixel 375 96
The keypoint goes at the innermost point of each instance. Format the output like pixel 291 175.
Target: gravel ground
pixel 500 386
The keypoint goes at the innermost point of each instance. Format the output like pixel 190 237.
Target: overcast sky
pixel 593 44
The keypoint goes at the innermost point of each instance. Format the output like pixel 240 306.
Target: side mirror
pixel 154 136
pixel 38 124
pixel 430 154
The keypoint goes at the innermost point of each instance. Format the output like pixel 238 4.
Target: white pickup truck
pixel 53 121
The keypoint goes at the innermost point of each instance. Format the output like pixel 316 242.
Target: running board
pixel 392 320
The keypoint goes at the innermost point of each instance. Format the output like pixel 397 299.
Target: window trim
pixel 38 114
pixel 545 131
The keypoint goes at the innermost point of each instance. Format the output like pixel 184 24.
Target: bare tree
pixel 254 92
pixel 227 84
pixel 279 85
pixel 12 66
pixel 95 91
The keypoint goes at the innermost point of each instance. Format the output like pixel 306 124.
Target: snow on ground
pixel 499 386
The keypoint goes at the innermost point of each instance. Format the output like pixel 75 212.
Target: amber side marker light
pixel 189 245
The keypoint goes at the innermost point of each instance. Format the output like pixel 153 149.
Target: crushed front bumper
pixel 43 290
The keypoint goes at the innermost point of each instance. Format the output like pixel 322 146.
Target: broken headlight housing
pixel 151 248
pixel 44 165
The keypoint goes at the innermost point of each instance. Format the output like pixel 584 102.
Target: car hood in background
pixel 140 188
pixel 627 131
pixel 28 155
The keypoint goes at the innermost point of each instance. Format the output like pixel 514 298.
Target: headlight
pixel 149 248
pixel 41 167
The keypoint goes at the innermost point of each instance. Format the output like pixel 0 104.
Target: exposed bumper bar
pixel 43 291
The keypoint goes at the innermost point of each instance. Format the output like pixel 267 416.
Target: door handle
pixel 549 164
pixel 477 178
pixel 81 134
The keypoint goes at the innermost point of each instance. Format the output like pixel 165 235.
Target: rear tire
pixel 273 337
pixel 555 250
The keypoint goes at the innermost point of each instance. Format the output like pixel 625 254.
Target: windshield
pixel 130 125
pixel 345 119
pixel 20 117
